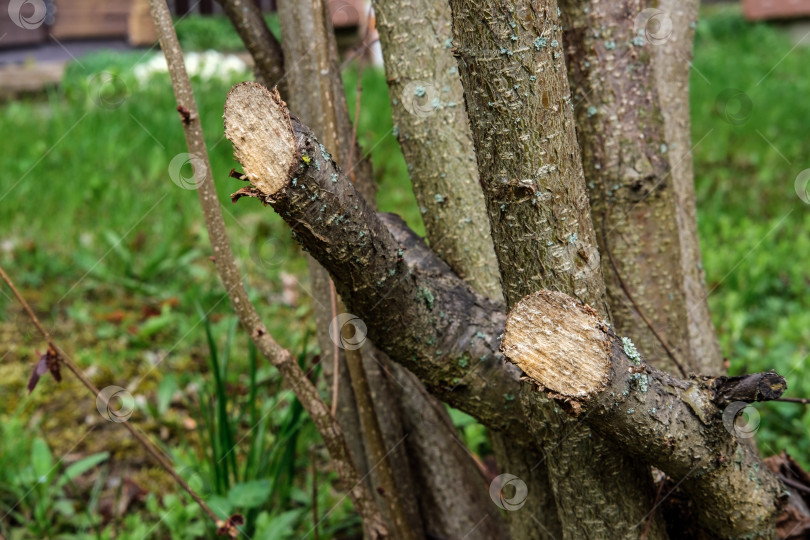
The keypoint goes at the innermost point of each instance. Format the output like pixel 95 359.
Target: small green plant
pixel 36 491
pixel 248 432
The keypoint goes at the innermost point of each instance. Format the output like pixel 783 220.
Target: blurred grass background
pixel 115 258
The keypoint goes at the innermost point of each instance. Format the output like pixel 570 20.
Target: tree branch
pixel 429 320
pixel 415 308
pixel 229 273
pixel 674 424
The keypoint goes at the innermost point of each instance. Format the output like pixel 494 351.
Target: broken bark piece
pixel 748 388
pixel 674 424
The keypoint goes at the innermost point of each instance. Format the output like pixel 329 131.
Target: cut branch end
pixel 559 343
pixel 258 124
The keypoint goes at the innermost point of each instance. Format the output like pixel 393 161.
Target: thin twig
pixel 652 512
pixel 65 359
pixel 644 318
pixel 335 352
pixel 794 484
pixel 800 400
pixel 231 278
pixel 314 492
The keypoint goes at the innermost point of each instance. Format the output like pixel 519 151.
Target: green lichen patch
pixel 426 295
pixel 631 351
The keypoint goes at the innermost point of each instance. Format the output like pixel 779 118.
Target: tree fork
pixel 677 425
pixel 511 62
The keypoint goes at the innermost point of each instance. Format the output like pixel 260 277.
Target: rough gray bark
pixel 673 423
pixel 519 104
pixel 672 64
pixel 624 152
pixel 642 201
pixel 430 317
pixel 433 131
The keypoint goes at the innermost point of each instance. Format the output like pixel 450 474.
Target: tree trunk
pixel 518 101
pixel 434 134
pixel 317 95
pixel 646 237
pixel 672 62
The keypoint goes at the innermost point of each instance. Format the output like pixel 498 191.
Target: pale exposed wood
pixel 266 146
pixel 559 343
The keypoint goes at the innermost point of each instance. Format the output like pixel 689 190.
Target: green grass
pixel 114 256
pixel 753 226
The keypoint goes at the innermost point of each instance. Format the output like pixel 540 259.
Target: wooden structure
pixel 125 19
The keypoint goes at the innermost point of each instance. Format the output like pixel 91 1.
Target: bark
pixel 642 201
pixel 454 497
pixel 624 152
pixel 400 400
pixel 434 134
pixel 672 62
pixel 268 59
pixel 673 423
pixel 519 103
pixel 404 520
pixel 375 430
pixel 335 224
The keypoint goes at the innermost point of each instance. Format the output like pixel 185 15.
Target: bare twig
pixel 65 360
pixel 800 400
pixel 652 512
pixel 315 520
pixel 335 352
pixel 281 358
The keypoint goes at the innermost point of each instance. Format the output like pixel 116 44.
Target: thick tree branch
pixel 672 423
pixel 415 308
pixel 231 278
